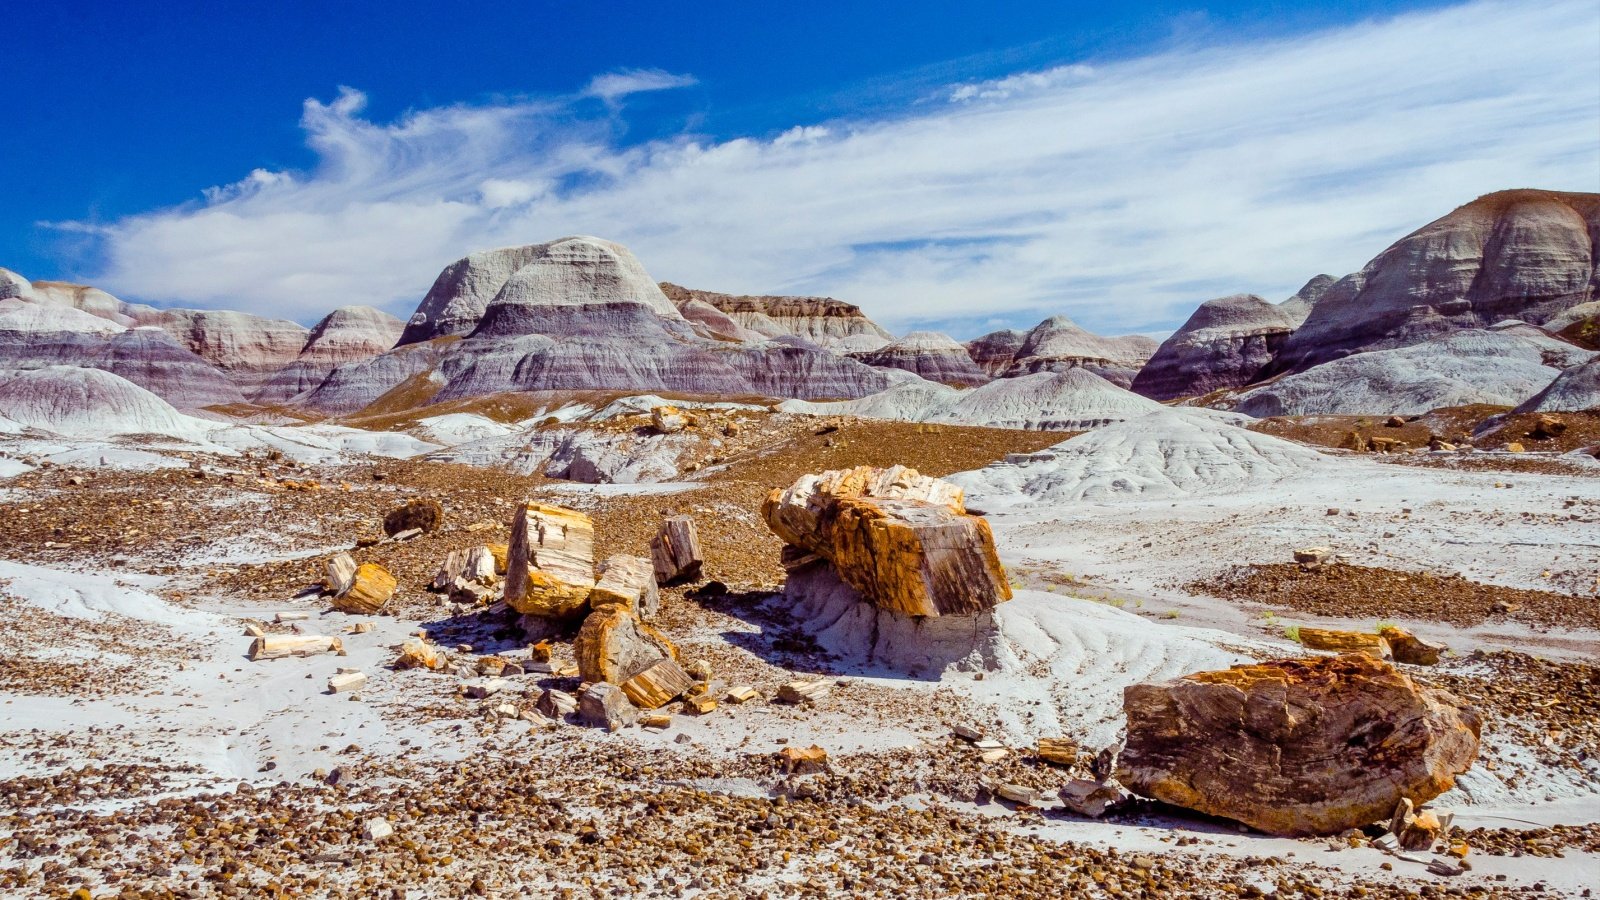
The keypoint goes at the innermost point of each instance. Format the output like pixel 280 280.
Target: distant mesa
pixel 824 321
pixel 1058 344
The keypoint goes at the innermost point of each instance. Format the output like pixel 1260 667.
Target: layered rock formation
pixel 578 314
pixel 1058 344
pixel 1228 342
pixel 1298 746
pixel 1501 367
pixel 904 540
pixel 348 334
pixel 1522 254
pixel 931 355
pixel 823 321
pixel 82 402
pixel 247 348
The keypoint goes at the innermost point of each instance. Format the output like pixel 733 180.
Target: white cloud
pixel 1120 195
pixel 615 85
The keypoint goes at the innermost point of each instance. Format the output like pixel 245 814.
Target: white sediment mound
pixel 1164 454
pixel 1045 401
pixel 1073 656
pixel 1502 367
pixel 451 429
pixel 89 403
pixel 1575 389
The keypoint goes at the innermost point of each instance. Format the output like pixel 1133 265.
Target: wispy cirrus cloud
pixel 1120 192
pixel 613 86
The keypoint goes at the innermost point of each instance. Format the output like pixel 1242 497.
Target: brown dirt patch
pixel 1361 591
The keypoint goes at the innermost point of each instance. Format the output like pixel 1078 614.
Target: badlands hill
pixel 1058 344
pixel 1524 254
pixel 823 321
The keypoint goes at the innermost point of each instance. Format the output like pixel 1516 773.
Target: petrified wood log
pixel 369 590
pixel 902 539
pixel 657 684
pixel 475 564
pixel 613 646
pixel 550 569
pixel 278 646
pixel 675 551
pixel 1296 746
pixel 427 515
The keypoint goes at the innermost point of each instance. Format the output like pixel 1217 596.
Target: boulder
pixel 604 705
pixel 904 540
pixel 613 646
pixel 550 568
pixel 1296 746
pixel 426 515
pixel 370 589
pixel 675 551
pixel 629 582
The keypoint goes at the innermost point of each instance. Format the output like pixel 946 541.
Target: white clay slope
pixel 80 402
pixel 1045 401
pixel 1166 454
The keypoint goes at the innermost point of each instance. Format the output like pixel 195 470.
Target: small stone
pixel 377 829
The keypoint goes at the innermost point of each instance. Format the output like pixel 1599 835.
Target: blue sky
pixel 961 166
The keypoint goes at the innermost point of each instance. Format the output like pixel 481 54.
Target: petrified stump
pixel 629 582
pixel 613 646
pixel 369 590
pixel 427 515
pixel 902 539
pixel 550 568
pixel 675 551
pixel 1296 746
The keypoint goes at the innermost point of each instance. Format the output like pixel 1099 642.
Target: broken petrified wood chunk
pixel 1344 642
pixel 345 682
pixel 902 539
pixel 1059 751
pixel 675 551
pixel 1296 746
pixel 369 590
pixel 668 419
pixel 605 706
pixel 278 646
pixel 657 684
pixel 613 646
pixel 554 704
pixel 1410 649
pixel 1091 798
pixel 803 760
pixel 1415 829
pixel 804 691
pixel 470 564
pixel 1313 557
pixel 630 582
pixel 341 573
pixel 426 515
pixel 550 569
pixel 418 654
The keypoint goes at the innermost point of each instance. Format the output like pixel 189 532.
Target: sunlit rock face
pixel 828 323
pixel 1058 344
pixel 934 356
pixel 348 334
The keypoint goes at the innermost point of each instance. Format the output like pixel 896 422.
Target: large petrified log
pixel 550 568
pixel 904 540
pixel 613 645
pixel 369 590
pixel 1296 746
pixel 427 515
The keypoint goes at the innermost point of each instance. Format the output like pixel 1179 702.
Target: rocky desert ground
pixel 578 585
